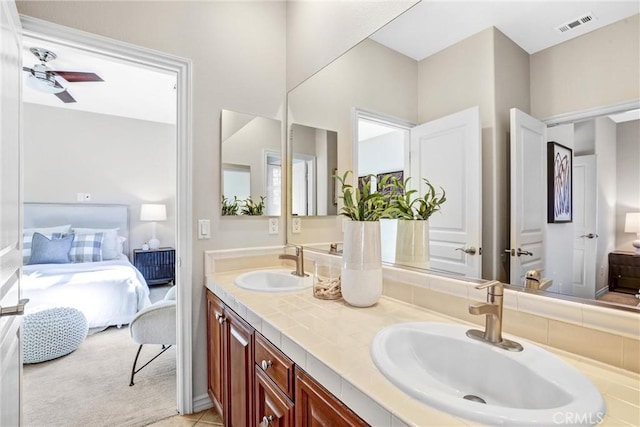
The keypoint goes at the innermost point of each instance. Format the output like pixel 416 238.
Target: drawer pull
pixel 266 420
pixel 266 364
pixel 220 318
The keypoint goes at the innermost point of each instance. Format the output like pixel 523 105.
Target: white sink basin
pixel 439 365
pixel 272 281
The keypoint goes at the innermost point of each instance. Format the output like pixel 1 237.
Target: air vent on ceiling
pixel 575 23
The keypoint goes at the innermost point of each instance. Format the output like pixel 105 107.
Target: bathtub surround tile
pixel 597 345
pixel 631 354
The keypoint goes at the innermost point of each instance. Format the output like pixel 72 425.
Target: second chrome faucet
pixel 298 258
pixel 492 309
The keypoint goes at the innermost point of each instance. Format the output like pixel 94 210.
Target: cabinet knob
pixel 266 364
pixel 266 420
pixel 220 318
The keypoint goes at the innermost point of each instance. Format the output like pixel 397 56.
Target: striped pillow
pixel 87 248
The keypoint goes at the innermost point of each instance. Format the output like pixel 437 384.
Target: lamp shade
pixel 153 212
pixel 632 222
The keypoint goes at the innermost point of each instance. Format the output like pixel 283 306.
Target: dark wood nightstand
pixel 157 266
pixel 624 272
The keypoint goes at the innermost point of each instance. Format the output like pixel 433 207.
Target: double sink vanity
pixel 280 357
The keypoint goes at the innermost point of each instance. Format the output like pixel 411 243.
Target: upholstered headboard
pixel 78 215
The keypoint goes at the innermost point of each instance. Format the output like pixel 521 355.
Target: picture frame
pixel 559 183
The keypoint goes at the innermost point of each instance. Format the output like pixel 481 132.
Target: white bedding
pixel 107 292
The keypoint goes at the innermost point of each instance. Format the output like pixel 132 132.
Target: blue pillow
pixel 50 251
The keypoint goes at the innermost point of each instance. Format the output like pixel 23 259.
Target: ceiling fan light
pixel 43 85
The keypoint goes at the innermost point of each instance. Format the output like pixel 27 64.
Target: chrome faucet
pixel 492 309
pixel 333 248
pixel 298 258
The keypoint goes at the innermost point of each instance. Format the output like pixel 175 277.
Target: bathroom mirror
pixel 251 164
pixel 387 77
pixel 314 162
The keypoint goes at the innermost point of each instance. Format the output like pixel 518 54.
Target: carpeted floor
pixel 620 298
pixel 90 387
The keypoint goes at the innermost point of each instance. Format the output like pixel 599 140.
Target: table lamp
pixel 632 225
pixel 153 212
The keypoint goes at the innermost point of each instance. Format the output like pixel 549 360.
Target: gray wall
pixel 115 159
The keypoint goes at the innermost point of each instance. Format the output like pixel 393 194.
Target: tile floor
pixel 206 418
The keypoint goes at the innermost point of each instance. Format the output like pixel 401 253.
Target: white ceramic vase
pixel 361 263
pixel 412 243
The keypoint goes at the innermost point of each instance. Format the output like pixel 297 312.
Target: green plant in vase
pixel 363 204
pixel 229 208
pixel 252 208
pixel 404 206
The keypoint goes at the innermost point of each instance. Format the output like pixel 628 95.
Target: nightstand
pixel 624 272
pixel 157 266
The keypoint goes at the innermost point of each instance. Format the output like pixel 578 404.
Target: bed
pixel 108 291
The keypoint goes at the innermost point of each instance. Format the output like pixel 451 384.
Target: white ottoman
pixel 52 333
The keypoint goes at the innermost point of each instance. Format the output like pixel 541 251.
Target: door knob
pixel 14 310
pixel 521 252
pixel 469 251
pixel 589 236
pixel 512 252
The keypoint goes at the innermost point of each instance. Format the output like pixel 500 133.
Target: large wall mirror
pixel 251 165
pixel 424 101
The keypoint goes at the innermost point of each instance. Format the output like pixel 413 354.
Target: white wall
pixel 115 159
pixel 605 143
pixel 628 179
pixel 559 238
pixel 320 31
pixel 595 69
pixel 381 154
pixel 238 55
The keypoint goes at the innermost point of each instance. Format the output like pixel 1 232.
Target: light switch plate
pixel 273 225
pixel 296 225
pixel 204 229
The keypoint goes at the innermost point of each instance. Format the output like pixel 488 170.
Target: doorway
pixel 113 49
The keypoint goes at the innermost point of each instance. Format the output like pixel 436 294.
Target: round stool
pixel 51 333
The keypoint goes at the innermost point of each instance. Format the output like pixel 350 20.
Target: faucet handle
pixel 495 287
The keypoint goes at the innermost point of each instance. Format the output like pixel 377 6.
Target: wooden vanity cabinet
pixel 315 406
pixel 273 407
pixel 231 363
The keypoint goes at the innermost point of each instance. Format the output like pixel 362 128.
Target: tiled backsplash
pixel 602 334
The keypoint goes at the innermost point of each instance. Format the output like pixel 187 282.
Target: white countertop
pixel 330 340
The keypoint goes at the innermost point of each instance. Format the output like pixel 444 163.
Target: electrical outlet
pixel 273 225
pixel 80 197
pixel 87 197
pixel 296 225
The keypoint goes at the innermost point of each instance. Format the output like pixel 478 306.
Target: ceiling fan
pixel 44 79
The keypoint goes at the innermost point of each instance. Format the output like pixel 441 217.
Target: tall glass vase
pixel 361 263
pixel 412 244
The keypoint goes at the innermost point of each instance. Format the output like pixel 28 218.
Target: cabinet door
pixel 215 350
pixel 273 407
pixel 239 371
pixel 316 407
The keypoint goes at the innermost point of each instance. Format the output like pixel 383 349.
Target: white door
pixel 585 229
pixel 447 152
pixel 299 188
pixel 10 213
pixel 528 195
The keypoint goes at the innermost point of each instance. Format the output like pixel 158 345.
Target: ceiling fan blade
pixel 65 97
pixel 76 76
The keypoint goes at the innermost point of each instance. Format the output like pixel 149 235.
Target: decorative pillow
pixel 110 242
pixel 50 251
pixel 120 245
pixel 27 235
pixel 87 248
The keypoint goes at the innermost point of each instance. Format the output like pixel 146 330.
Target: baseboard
pixel 601 292
pixel 201 403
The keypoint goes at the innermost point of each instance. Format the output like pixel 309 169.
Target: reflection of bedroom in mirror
pixel 87 172
pixel 251 165
pixel 403 71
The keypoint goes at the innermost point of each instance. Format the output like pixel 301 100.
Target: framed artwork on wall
pixel 559 183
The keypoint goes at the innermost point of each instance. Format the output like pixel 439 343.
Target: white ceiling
pixel 431 26
pixel 128 90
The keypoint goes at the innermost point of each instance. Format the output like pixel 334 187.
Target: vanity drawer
pixel 275 364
